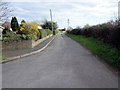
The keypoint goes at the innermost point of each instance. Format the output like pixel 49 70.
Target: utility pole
pixel 51 21
pixel 68 22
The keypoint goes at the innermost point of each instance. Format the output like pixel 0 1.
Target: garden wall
pixel 16 45
pixel 35 43
pixel 22 44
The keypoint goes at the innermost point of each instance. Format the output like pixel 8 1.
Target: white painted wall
pixel 1 29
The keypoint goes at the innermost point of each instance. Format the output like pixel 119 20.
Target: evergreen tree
pixel 47 25
pixel 14 24
pixel 22 27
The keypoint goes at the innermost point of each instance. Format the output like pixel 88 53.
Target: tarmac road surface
pixel 64 64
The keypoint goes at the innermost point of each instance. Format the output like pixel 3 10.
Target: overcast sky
pixel 79 12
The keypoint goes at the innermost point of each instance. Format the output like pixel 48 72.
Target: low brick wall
pixel 15 45
pixel 23 44
pixel 35 43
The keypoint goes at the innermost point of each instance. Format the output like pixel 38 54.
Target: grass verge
pixel 2 58
pixel 109 54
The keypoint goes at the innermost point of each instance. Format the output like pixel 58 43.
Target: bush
pixel 35 34
pixel 30 30
pixel 48 32
pixel 47 25
pixel 43 33
pixel 76 31
pixel 56 31
pixel 25 37
pixel 10 36
pixel 5 31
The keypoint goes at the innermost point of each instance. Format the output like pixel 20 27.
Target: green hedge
pixel 48 31
pixel 107 32
pixel 15 37
pixel 11 36
pixel 44 32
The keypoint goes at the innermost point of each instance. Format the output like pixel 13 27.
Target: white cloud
pixel 81 1
pixel 80 12
pixel 34 1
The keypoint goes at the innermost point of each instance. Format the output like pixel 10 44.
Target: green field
pixel 106 52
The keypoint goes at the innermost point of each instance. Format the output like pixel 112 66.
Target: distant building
pixel 62 29
pixel 1 28
pixel 6 25
pixel 39 27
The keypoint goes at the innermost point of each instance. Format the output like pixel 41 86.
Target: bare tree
pixel 4 11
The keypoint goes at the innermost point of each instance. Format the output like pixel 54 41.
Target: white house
pixel 39 27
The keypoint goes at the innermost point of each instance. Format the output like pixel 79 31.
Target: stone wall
pixel 35 43
pixel 23 44
pixel 15 45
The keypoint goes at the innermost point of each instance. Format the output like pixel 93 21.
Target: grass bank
pixel 2 58
pixel 104 51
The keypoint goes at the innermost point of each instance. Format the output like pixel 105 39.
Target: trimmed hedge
pixel 43 33
pixel 9 36
pixel 48 31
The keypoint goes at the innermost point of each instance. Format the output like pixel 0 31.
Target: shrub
pixel 25 37
pixel 5 31
pixel 75 31
pixel 48 25
pixel 10 36
pixel 35 34
pixel 68 31
pixel 56 31
pixel 43 33
pixel 48 32
pixel 30 30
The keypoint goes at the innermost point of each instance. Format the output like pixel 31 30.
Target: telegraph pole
pixel 51 21
pixel 68 23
